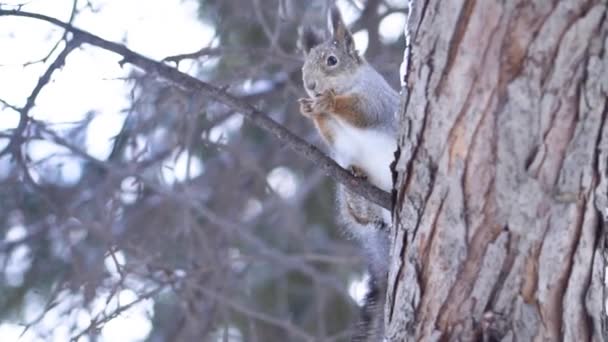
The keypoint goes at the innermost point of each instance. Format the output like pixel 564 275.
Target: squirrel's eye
pixel 332 60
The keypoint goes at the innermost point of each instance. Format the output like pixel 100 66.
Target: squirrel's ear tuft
pixel 340 32
pixel 308 39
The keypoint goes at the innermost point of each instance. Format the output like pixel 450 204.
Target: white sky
pixel 91 81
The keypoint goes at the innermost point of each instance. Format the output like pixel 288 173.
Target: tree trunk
pixel 501 176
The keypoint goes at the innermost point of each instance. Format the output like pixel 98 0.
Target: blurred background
pixel 131 210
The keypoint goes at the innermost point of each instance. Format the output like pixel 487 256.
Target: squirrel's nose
pixel 311 85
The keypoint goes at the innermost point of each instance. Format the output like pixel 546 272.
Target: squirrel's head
pixel 329 63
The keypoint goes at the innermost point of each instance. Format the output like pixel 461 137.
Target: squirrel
pixel 354 110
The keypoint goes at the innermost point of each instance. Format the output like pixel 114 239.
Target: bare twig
pixel 8 105
pixel 330 167
pixel 271 35
pixel 103 318
pixel 18 138
pixel 257 315
pixel 63 37
pixel 251 50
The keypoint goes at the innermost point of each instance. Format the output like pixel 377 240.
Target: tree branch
pixel 18 138
pixel 330 167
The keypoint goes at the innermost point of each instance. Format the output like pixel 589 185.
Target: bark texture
pixel 501 175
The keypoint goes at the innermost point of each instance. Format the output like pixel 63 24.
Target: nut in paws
pixel 325 102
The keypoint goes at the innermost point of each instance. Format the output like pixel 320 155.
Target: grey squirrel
pixel 353 109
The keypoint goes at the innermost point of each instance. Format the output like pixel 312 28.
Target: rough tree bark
pixel 501 177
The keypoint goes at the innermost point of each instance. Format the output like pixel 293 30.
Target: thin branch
pixel 8 105
pixel 257 314
pixel 18 138
pixel 102 318
pixel 63 37
pixel 330 167
pixel 271 35
pixel 251 50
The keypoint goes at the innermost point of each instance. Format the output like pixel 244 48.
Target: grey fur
pixel 351 75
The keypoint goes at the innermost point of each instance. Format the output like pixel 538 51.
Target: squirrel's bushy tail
pixel 364 221
pixel 370 327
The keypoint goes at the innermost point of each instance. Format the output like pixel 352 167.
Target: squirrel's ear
pixel 340 32
pixel 308 39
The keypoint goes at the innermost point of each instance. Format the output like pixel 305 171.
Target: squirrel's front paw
pixel 325 102
pixel 306 107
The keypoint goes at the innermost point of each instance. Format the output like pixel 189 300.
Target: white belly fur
pixel 371 150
